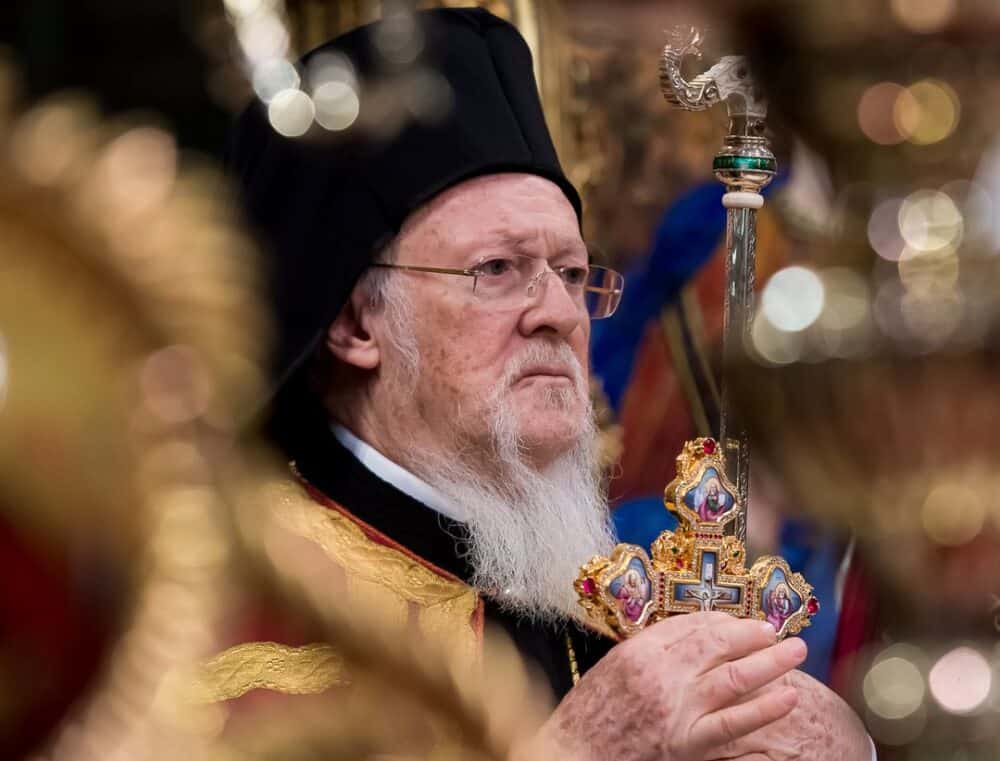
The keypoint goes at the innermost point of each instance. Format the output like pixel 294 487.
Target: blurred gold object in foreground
pixel 131 342
pixel 131 354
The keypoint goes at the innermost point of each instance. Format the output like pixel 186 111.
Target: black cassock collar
pixel 442 542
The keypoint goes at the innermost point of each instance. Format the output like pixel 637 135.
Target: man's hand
pixel 822 727
pixel 678 691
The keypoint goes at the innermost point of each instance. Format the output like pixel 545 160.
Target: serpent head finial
pixel 729 80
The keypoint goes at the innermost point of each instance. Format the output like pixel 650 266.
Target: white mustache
pixel 547 354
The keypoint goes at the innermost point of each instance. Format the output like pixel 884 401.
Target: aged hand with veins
pixel 680 691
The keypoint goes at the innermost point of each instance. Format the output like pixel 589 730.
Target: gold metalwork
pixel 698 567
pixel 267 666
pixel 574 667
pixel 693 463
pixel 133 340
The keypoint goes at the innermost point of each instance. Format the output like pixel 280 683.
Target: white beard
pixel 531 529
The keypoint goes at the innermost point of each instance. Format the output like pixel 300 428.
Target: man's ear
pixel 350 337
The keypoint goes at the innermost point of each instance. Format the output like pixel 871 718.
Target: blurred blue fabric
pixel 687 236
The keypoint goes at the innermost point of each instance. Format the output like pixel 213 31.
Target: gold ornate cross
pixel 698 567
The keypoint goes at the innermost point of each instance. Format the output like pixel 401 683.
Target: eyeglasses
pixel 508 279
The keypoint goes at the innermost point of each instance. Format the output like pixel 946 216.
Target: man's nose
pixel 550 306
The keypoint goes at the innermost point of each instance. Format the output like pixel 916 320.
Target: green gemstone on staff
pixel 753 163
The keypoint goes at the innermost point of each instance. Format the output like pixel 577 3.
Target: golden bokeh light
pixel 137 171
pixel 774 346
pixel 928 113
pixel 953 514
pixel 894 687
pixel 49 139
pixel 847 301
pixel 876 108
pixel 926 273
pixel 929 220
pixel 924 16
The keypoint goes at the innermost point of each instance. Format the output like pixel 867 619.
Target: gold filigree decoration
pixel 345 543
pixel 267 666
pixel 698 567
pixel 377 582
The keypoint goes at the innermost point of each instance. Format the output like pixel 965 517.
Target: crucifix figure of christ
pixel 710 594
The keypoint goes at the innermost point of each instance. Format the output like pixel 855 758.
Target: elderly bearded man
pixel 434 298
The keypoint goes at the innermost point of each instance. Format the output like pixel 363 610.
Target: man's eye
pixel 574 275
pixel 496 267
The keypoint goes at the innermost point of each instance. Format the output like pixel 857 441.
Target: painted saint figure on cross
pixel 698 567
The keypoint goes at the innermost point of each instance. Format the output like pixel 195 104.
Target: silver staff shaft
pixel 741 253
pixel 745 165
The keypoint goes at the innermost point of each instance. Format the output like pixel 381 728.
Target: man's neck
pixel 395 474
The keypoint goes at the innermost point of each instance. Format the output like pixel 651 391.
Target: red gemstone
pixel 680 563
pixel 589 587
pixel 812 606
pixel 709 446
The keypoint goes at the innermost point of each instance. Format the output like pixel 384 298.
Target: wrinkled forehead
pixel 521 213
pixel 533 241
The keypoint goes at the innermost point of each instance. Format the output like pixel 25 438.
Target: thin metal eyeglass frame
pixel 473 273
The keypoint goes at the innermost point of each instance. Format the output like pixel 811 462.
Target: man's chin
pixel 545 440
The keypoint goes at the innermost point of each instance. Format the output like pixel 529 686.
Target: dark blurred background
pixel 147 56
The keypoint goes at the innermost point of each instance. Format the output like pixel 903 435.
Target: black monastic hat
pixel 322 208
